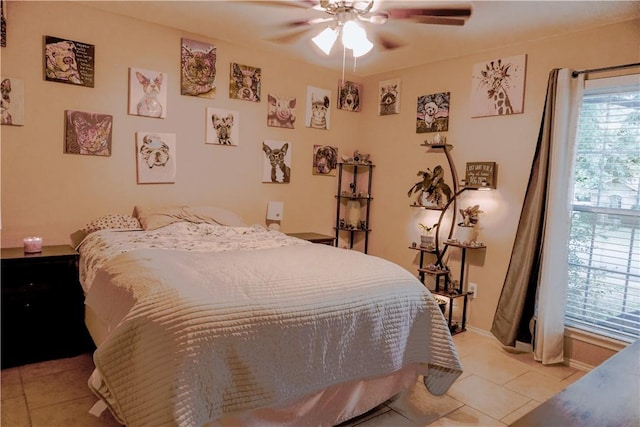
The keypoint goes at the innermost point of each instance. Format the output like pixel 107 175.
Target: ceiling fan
pixel 345 18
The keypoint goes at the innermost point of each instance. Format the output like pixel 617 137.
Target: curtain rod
pixel 598 70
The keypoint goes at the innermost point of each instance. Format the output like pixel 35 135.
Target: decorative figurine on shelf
pixel 466 231
pixel 357 158
pixel 432 188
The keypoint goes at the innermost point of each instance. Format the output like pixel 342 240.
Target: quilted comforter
pixel 222 328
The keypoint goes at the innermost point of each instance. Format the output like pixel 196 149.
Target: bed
pixel 200 319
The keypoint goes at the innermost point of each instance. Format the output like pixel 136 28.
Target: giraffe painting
pixel 498 87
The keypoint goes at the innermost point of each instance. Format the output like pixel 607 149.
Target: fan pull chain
pixel 344 58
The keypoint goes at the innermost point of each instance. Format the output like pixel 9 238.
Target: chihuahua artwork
pixel 277 160
pixel 245 82
pixel 147 93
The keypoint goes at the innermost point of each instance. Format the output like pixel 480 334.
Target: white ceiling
pixel 492 24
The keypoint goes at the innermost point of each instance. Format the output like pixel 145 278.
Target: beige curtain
pixel 534 291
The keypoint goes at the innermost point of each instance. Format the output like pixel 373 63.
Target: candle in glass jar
pixel 32 245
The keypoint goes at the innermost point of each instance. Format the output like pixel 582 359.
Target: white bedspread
pixel 200 334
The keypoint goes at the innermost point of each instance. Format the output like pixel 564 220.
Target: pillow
pixel 157 217
pixel 113 222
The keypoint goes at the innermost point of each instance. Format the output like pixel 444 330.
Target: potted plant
pixel 442 303
pixel 465 233
pixel 427 239
pixel 432 188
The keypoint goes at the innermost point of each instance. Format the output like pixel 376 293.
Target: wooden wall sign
pixel 480 175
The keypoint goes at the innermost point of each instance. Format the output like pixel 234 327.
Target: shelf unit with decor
pixel 438 270
pixel 353 203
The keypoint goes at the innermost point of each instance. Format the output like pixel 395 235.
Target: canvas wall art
pixel 87 133
pixel 223 127
pixel 12 103
pixel 318 114
pixel 433 113
pixel 147 93
pixel 276 166
pixel 281 111
pixel 389 97
pixel 498 87
pixel 349 94
pixel 197 69
pixel 245 82
pixel 325 160
pixel 156 157
pixel 3 23
pixel 68 61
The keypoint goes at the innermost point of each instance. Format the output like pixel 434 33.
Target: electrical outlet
pixel 473 287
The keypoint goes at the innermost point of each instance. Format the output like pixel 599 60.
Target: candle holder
pixel 32 245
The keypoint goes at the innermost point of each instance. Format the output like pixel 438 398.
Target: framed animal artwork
pixel 87 133
pixel 433 113
pixel 245 82
pixel 197 69
pixel 389 97
pixel 156 157
pixel 68 61
pixel 349 94
pixel 498 86
pixel 147 93
pixel 3 23
pixel 318 114
pixel 12 103
pixel 223 127
pixel 276 165
pixel 281 111
pixel 325 160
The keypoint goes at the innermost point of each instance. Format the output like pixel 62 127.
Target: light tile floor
pixel 495 389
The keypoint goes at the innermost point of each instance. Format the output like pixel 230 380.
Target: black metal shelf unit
pixel 349 193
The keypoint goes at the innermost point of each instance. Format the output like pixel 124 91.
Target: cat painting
pixel 198 69
pixel 318 103
pixel 88 133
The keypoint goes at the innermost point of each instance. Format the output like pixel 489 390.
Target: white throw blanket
pixel 197 335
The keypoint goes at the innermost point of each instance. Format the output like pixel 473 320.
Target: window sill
pixel 594 339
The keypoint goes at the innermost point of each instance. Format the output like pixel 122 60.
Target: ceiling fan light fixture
pixel 352 34
pixel 326 39
pixel 363 47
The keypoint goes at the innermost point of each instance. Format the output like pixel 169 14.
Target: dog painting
pixel 318 114
pixel 12 102
pixel 88 133
pixel 147 93
pixel 282 111
pixel 198 69
pixel 68 61
pixel 223 127
pixel 389 101
pixel 433 113
pixel 349 96
pixel 245 82
pixel 325 160
pixel 156 157
pixel 277 162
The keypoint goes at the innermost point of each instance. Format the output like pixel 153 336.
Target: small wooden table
pixel 314 237
pixel 609 395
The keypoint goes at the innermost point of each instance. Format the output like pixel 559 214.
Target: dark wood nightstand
pixel 42 306
pixel 314 237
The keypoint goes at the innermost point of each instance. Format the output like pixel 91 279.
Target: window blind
pixel 604 246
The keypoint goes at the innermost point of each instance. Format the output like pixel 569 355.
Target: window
pixel 604 246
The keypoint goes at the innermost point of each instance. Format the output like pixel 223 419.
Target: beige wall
pixel 48 193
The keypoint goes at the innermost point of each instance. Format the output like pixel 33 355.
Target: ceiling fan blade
pixel 286 3
pixel 438 20
pixel 444 12
pixel 290 37
pixel 305 22
pixel 388 43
